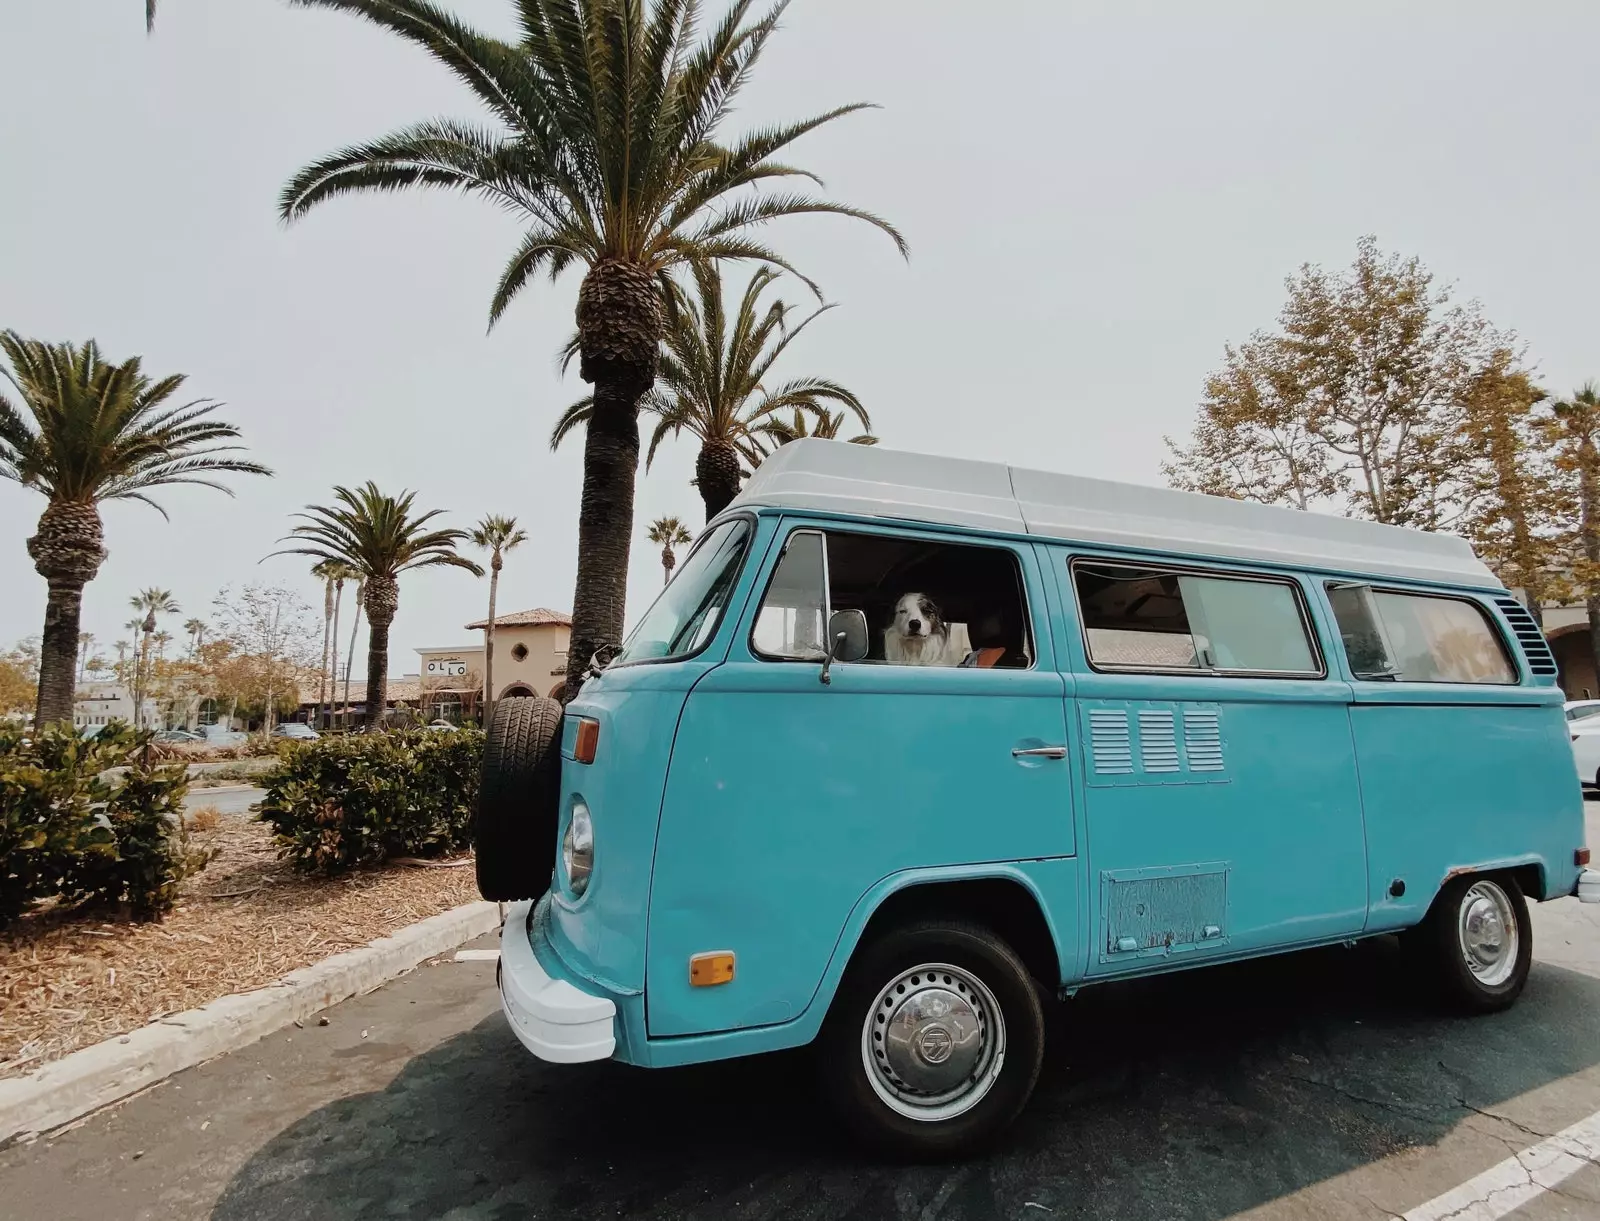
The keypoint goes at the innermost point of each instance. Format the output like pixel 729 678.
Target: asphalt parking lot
pixel 1318 1085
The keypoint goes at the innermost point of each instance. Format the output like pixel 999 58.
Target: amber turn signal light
pixel 708 970
pixel 588 740
pixel 1581 856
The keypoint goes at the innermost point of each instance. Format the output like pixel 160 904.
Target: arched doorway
pixel 1575 661
pixel 555 691
pixel 516 689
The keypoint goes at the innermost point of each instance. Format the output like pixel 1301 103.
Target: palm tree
pixel 122 660
pixel 197 633
pixel 85 639
pixel 152 602
pixel 377 536
pixel 669 532
pixel 161 640
pixel 149 15
pixel 605 139
pixel 97 432
pixel 331 573
pixel 350 653
pixel 710 381
pixel 496 535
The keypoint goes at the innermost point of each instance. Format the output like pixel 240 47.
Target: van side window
pixel 1418 638
pixel 1138 618
pixel 927 603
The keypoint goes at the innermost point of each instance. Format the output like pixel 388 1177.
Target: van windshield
pixel 686 614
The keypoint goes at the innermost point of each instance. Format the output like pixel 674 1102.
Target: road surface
pixel 1310 1087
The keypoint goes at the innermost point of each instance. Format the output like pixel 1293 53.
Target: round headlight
pixel 577 849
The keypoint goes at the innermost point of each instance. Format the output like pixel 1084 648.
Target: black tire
pixel 514 833
pixel 1439 943
pixel 980 955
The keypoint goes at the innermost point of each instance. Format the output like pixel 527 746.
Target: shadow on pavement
pixel 1192 1096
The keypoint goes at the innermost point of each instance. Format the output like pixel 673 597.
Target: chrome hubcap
pixel 933 1042
pixel 1488 933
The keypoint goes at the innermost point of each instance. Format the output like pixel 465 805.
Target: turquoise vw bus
pixel 911 745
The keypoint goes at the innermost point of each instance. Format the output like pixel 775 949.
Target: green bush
pixel 68 832
pixel 362 799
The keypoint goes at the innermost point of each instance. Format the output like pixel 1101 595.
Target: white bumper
pixel 1589 886
pixel 554 1020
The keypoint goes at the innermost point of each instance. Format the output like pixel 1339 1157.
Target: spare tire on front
pixel 514 833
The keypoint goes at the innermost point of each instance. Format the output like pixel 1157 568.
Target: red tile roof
pixel 528 618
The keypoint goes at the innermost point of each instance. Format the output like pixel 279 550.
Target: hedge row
pixel 362 799
pixel 67 833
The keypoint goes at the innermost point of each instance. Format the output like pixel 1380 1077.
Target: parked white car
pixel 1583 723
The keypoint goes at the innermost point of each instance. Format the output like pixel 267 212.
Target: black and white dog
pixel 918 634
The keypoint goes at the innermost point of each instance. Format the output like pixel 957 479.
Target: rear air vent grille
pixel 1534 646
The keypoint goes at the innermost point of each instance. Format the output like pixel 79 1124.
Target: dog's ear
pixel 930 612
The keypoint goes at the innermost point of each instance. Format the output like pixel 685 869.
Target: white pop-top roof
pixel 870 481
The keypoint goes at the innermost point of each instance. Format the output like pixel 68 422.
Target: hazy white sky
pixel 1098 197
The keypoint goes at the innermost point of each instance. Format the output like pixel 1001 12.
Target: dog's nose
pixel 914 626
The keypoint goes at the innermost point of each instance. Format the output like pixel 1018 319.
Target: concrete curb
pixel 88 1079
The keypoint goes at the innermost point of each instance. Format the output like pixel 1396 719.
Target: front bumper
pixel 553 1018
pixel 1588 886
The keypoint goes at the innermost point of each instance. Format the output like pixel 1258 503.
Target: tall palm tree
pixel 668 532
pixel 1574 429
pixel 196 628
pixel 122 660
pixel 376 535
pixel 149 15
pixel 152 602
pixel 772 433
pixel 85 640
pixel 496 535
pixel 83 432
pixel 350 653
pixel 711 380
pixel 330 572
pixel 604 138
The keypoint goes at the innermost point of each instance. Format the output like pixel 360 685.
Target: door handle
pixel 1039 752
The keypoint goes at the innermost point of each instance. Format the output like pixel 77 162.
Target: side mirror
pixel 847 640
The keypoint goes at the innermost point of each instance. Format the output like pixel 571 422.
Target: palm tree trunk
pixel 668 561
pixel 327 632
pixel 716 472
pixel 350 653
pixel 333 666
pixel 58 654
pixel 66 552
pixel 488 640
pixel 383 599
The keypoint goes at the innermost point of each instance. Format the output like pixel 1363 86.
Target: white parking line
pixel 477 955
pixel 1505 1187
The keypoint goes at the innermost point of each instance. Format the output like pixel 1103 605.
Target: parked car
pixel 441 723
pixel 1583 727
pixel 296 730
pixel 177 735
pixel 221 735
pixel 1165 731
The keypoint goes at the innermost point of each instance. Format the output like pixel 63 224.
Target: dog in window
pixel 918 635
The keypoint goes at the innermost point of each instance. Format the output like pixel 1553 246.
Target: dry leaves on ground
pixel 244 921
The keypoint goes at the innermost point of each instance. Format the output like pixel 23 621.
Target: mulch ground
pixel 69 979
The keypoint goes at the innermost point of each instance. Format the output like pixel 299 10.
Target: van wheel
pixel 1479 941
pixel 933 1044
pixel 514 833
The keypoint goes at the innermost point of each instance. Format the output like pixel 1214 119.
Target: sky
pixel 1098 198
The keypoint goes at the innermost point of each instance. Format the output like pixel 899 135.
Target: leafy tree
pixel 606 137
pixel 19 678
pixel 1352 400
pixel 271 627
pixel 84 432
pixel 496 535
pixel 376 535
pixel 711 380
pixel 668 533
pixel 1573 432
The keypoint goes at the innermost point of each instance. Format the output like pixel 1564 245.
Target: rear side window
pixel 1138 618
pixel 1418 638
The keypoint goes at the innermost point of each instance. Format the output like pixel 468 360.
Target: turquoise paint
pixel 741 804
